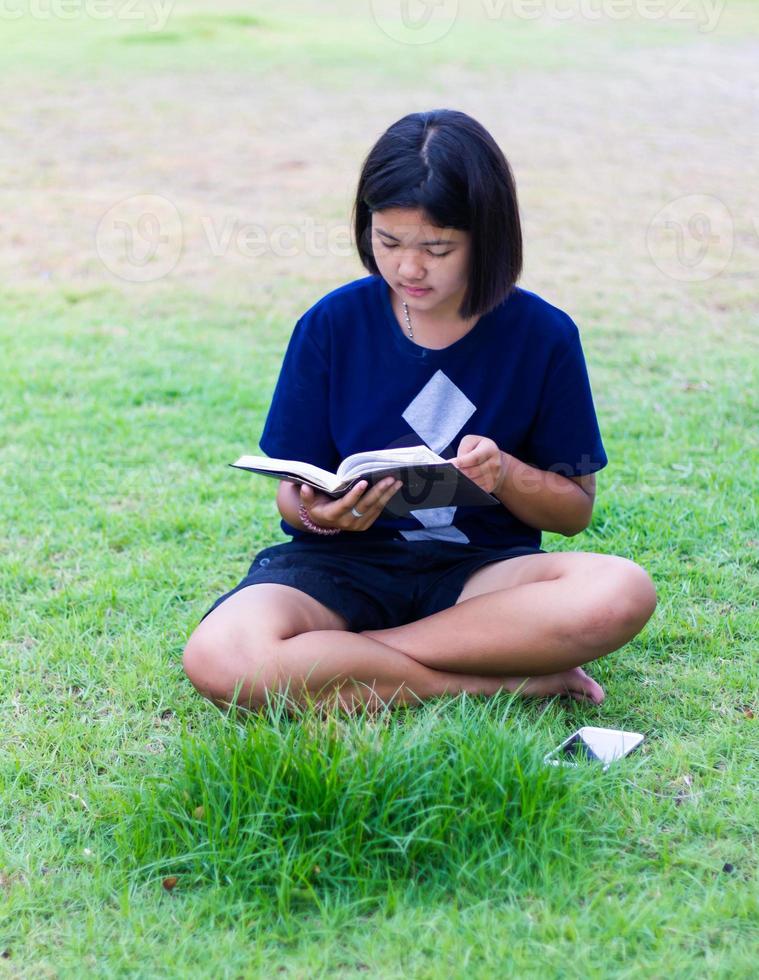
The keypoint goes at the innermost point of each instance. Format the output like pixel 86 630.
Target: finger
pixel 315 498
pixel 311 493
pixel 308 495
pixel 478 464
pixel 375 498
pixel 372 505
pixel 381 490
pixel 356 493
pixel 467 461
pixel 349 500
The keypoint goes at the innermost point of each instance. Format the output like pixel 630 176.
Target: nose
pixel 411 267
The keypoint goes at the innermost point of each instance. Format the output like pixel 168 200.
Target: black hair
pixel 449 166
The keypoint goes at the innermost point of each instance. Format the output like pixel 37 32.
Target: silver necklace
pixel 408 321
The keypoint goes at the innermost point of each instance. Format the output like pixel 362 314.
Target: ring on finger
pixel 356 513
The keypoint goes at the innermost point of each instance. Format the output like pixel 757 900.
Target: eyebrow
pixel 438 241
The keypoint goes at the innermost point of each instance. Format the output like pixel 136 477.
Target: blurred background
pixel 213 149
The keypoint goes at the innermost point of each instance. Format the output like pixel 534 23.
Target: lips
pixel 416 289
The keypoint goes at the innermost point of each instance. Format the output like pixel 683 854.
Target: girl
pixel 436 345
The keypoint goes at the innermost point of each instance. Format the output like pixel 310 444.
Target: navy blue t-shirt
pixel 353 380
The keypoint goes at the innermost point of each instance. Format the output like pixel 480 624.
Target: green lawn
pixel 427 843
pixel 298 38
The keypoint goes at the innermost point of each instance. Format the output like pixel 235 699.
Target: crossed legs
pixel 537 619
pixel 527 623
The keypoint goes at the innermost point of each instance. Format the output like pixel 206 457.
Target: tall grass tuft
pixel 294 807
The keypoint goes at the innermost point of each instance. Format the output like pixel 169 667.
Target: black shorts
pixel 375 584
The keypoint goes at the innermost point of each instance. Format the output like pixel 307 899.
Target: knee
pixel 198 661
pixel 224 668
pixel 639 594
pixel 625 599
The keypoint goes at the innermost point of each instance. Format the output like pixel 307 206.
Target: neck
pixel 437 319
pixel 428 330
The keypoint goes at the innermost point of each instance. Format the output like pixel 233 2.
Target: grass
pixel 184 37
pixel 288 813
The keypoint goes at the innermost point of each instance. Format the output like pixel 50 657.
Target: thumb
pixel 467 444
pixel 306 492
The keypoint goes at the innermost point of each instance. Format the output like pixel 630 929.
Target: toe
pixel 596 692
pixel 589 688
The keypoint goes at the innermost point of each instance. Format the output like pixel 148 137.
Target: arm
pixel 540 498
pixel 548 501
pixel 564 437
pixel 288 502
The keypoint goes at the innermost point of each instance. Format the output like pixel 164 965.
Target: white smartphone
pixel 603 745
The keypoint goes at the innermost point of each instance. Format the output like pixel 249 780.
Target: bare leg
pixel 269 638
pixel 585 607
pixel 365 671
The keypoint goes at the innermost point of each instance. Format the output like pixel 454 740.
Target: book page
pixel 291 468
pixel 368 462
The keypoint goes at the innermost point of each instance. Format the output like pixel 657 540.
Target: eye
pixel 437 255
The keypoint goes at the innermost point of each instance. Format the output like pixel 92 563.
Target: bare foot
pixel 574 682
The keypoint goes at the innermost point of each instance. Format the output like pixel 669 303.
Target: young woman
pixel 437 345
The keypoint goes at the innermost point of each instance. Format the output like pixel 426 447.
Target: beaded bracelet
pixel 303 515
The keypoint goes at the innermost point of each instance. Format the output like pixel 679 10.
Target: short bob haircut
pixel 449 166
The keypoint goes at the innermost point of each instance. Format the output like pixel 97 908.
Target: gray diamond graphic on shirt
pixel 439 411
pixel 438 523
pixel 435 516
pixel 450 533
pixel 437 415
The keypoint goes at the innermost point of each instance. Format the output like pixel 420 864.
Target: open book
pixel 428 479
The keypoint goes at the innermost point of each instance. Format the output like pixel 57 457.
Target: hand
pixel 482 461
pixel 328 512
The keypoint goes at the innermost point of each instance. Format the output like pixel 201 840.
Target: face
pixel 410 252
